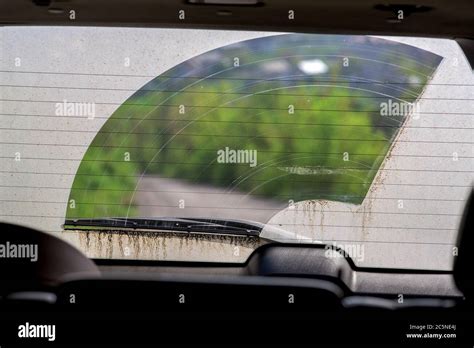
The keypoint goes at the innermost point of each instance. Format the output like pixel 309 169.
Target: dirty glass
pixel 321 138
pixel 246 129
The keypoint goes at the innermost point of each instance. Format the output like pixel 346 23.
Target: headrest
pixel 464 262
pixel 32 259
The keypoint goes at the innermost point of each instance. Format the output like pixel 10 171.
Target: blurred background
pixel 308 106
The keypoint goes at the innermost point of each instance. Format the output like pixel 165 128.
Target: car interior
pixel 279 291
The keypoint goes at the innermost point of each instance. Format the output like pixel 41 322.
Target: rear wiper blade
pixel 191 225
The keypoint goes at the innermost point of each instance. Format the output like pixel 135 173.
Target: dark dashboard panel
pixel 176 293
pixel 300 261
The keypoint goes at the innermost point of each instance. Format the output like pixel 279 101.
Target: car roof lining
pixel 432 18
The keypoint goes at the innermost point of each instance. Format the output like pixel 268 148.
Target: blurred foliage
pixel 300 154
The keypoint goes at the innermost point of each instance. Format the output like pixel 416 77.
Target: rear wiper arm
pixel 191 225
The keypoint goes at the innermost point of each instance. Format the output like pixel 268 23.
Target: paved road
pixel 162 197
